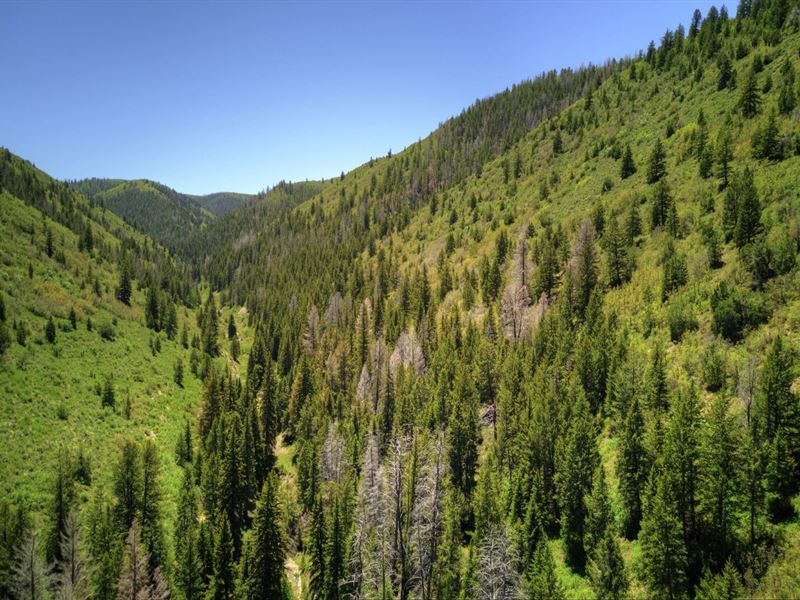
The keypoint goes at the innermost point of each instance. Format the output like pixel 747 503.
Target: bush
pixel 734 310
pixel 680 319
pixel 608 185
pixel 106 331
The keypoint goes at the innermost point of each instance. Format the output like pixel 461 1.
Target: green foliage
pixel 657 163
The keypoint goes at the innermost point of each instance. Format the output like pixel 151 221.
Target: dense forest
pixel 549 351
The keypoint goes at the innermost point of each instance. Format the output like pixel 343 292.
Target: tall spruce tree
pixel 265 550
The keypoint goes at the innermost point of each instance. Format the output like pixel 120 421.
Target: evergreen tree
pixel 316 549
pixel 722 586
pixel 632 466
pixel 657 164
pixel 463 432
pixel 598 512
pixel 558 143
pixel 720 478
pixel 231 327
pixel 177 373
pixel 63 494
pixel 727 77
pixel 628 166
pixel 152 313
pixel 264 552
pixel 127 485
pixel 617 261
pixel 150 506
pixel 724 157
pixel 50 331
pixel 662 205
pixel 575 465
pixel 750 100
pixel 787 97
pixel 108 397
pixel 748 210
pixel 124 288
pixel 334 550
pixel 221 586
pixel 766 140
pixel 585 255
pixel 663 548
pixel 633 225
pixel 607 568
pixel 542 581
pixel 188 564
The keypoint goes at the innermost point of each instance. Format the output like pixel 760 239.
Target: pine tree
pixel 750 100
pixel 662 545
pixel 177 373
pixel 63 493
pixel 221 586
pixel 598 512
pixel 576 463
pixel 316 549
pixel 657 164
pixel 617 261
pixel 662 204
pixel 265 549
pixel 632 465
pixel 558 143
pixel 787 97
pixel 127 485
pixel 722 586
pixel 748 210
pixel 585 260
pixel 150 506
pixel 334 550
pixel 188 565
pixel 108 398
pixel 542 581
pixel 633 225
pixel 607 568
pixel 720 478
pixel 766 140
pixel 726 78
pixel 462 432
pixel 50 331
pixel 628 166
pixel 724 157
pixel 152 309
pixel 124 288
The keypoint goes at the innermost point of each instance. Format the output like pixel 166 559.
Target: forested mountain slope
pixel 157 210
pixel 584 348
pixel 549 351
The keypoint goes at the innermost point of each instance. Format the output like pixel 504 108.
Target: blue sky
pixel 236 96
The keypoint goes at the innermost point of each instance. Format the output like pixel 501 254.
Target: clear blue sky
pixel 237 96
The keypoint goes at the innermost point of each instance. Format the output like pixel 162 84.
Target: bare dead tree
pixel 333 313
pixel 396 483
pixel 427 515
pixel 73 575
pixel 497 576
pixel 522 265
pixel 30 578
pixel 134 581
pixel 408 353
pixel 515 311
pixel 333 457
pixel 311 333
pixel 368 567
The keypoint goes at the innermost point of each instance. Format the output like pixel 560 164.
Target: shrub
pixel 680 319
pixel 734 310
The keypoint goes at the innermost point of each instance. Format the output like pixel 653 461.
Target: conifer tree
pixel 724 156
pixel 575 465
pixel 720 478
pixel 632 466
pixel 657 164
pixel 662 204
pixel 616 255
pixel 633 224
pixel 663 548
pixel 334 550
pixel 787 98
pixel 150 506
pixel 188 563
pixel 124 288
pixel 750 100
pixel 598 511
pixel 63 493
pixel 127 485
pixel 221 586
pixel 50 331
pixel 628 166
pixel 264 551
pixel 462 432
pixel 542 581
pixel 748 210
pixel 316 549
pixel 607 568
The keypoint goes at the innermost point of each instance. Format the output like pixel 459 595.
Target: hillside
pixel 549 351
